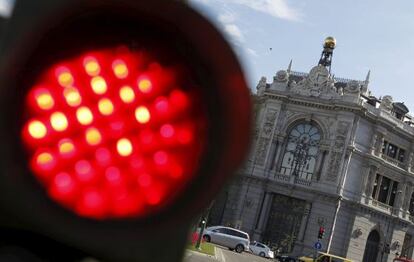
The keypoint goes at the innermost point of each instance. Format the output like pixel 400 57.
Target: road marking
pixel 219 254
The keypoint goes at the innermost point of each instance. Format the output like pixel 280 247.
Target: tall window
pixel 301 151
pixel 411 207
pixel 385 190
pixel 393 151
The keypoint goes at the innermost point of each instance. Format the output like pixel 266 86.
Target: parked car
pixel 231 238
pixel 261 249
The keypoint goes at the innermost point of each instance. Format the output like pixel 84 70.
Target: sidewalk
pixel 218 255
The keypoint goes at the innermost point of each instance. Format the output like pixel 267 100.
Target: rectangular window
pixel 401 155
pixel 393 151
pixel 411 208
pixel 384 189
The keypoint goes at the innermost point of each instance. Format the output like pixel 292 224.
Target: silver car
pixel 261 249
pixel 231 238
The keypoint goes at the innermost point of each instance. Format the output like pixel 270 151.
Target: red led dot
pixel 84 171
pixel 92 204
pixel 64 76
pixel 113 175
pixel 66 147
pixel 161 105
pixel 144 85
pixel 144 180
pixel 161 158
pixel 103 155
pixel 167 131
pixel 63 186
pixel 45 160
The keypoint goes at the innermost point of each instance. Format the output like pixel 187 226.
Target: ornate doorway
pixel 284 222
pixel 372 247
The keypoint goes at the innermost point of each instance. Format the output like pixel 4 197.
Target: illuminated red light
pixel 110 140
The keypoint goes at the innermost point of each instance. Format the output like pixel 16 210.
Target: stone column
pixel 264 212
pixel 280 153
pixel 407 199
pixel 273 149
pixel 379 146
pixel 370 184
pixel 365 179
pixel 399 199
pixel 374 143
pixel 410 161
pixel 279 149
pixel 303 225
pixel 320 161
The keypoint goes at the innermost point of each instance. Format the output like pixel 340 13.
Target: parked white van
pixel 229 237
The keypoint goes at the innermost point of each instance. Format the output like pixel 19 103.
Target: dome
pixel 330 42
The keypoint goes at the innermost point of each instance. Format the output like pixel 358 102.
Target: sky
pixel 6 7
pixel 376 35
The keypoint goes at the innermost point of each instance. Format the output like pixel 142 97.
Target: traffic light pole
pixel 200 235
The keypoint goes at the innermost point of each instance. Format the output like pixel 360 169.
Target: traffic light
pixel 321 232
pixel 119 121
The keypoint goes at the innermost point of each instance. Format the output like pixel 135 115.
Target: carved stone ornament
pixel 337 151
pixel 262 83
pixel 269 122
pixel 386 103
pixel 318 83
pixel 262 147
pixel 281 76
pixel 353 87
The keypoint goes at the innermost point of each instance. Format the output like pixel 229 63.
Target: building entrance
pixel 284 222
pixel 372 247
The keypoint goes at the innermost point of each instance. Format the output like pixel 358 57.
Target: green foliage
pixel 206 248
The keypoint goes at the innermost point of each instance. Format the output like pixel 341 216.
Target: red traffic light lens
pixel 112 133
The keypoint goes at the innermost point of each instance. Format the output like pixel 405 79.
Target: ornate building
pixel 326 153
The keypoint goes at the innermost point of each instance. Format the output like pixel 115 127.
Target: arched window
pixel 301 151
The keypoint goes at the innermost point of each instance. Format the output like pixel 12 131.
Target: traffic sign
pixel 318 245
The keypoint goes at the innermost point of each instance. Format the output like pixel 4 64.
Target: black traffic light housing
pixel 41 32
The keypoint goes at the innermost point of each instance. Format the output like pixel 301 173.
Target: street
pixel 223 255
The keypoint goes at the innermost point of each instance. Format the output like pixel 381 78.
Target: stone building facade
pixel 325 153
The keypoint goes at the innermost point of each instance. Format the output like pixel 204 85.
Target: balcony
pixel 393 161
pixel 292 179
pixel 381 205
